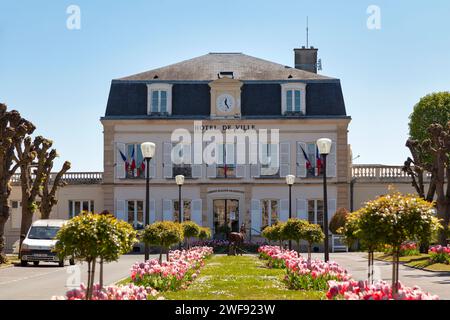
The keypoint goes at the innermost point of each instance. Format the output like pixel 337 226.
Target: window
pixel 159 98
pixel 135 213
pixel 293 98
pixel 226 167
pixel 14 204
pixel 315 212
pixel 135 164
pixel 159 101
pixel 270 212
pixel 271 168
pixel 313 160
pixel 77 206
pixel 186 210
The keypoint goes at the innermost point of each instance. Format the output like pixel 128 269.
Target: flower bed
pixel 222 246
pixel 176 273
pixel 301 273
pixel 381 290
pixel 275 256
pixel 406 249
pixel 127 292
pixel 440 254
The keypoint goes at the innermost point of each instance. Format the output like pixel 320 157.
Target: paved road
pixel 432 282
pixel 47 280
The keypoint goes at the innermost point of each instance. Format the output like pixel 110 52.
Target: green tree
pixel 393 219
pixel 338 220
pixel 90 236
pixel 190 230
pixel 204 233
pixel 293 230
pixel 274 233
pixel 163 234
pixel 312 233
pixel 429 144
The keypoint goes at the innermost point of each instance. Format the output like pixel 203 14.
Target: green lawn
pixel 421 262
pixel 240 277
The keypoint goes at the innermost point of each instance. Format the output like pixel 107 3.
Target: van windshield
pixel 44 233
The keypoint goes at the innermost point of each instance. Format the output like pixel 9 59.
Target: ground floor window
pixel 315 212
pixel 77 206
pixel 270 210
pixel 135 213
pixel 186 210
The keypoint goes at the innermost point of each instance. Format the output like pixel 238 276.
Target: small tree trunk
pixel 167 253
pixel 27 220
pixel 89 280
pixel 101 273
pixel 395 263
pixel 91 285
pixel 160 254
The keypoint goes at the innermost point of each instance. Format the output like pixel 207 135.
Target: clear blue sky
pixel 60 78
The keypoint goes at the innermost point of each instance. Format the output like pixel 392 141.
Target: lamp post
pixel 179 179
pixel 148 152
pixel 324 147
pixel 290 179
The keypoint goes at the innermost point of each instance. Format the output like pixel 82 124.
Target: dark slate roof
pixel 244 67
pixel 128 99
pixel 260 96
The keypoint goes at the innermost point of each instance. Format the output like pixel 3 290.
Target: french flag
pixel 308 163
pixel 318 161
pixel 133 161
pixel 124 158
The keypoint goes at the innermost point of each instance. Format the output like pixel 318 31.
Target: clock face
pixel 225 102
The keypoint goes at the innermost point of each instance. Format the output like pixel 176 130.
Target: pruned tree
pixel 432 155
pixel 13 129
pixel 429 144
pixel 49 187
pixel 36 162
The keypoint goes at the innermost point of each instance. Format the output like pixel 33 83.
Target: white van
pixel 40 242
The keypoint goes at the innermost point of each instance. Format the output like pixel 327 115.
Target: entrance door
pixel 226 215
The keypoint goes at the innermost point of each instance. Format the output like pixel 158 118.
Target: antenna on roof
pixel 307 32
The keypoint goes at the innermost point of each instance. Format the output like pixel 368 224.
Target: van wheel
pixel 72 262
pixel 61 263
pixel 35 263
pixel 23 263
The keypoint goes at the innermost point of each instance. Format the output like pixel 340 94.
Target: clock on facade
pixel 225 102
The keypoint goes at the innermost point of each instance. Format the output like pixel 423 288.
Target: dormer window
pixel 293 98
pixel 159 98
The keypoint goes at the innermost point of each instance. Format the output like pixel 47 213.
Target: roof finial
pixel 307 32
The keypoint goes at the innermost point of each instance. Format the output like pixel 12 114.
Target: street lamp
pixel 290 179
pixel 324 147
pixel 148 152
pixel 179 179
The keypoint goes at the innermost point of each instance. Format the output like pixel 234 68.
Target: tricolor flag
pixel 308 163
pixel 124 158
pixel 133 161
pixel 318 161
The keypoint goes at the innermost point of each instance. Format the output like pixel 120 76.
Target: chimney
pixel 306 59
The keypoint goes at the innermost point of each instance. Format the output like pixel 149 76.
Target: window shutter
pixel 301 160
pixel 211 171
pixel 120 210
pixel 285 157
pixel 255 167
pixel 120 164
pixel 197 211
pixel 152 211
pixel 230 157
pixel 284 210
pixel 167 160
pixel 167 210
pixel 302 209
pixel 331 161
pixel 256 216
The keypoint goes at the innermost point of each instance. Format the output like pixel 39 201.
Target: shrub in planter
pixel 338 221
pixel 190 230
